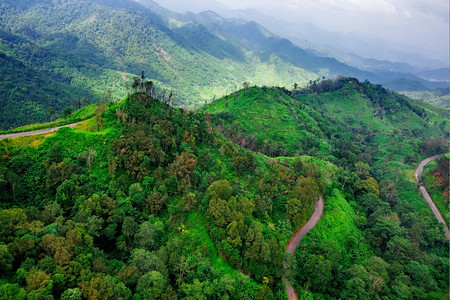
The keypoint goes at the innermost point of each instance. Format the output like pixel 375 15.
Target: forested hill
pixel 145 201
pixel 97 46
pixel 320 117
pixel 377 234
pixel 90 48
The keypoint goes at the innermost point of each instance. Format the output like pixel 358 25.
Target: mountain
pixel 339 45
pixel 97 46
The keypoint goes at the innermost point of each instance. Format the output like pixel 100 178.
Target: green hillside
pixel 89 48
pixel 328 112
pixel 27 94
pixel 142 201
pixel 270 121
pixel 96 46
pixel 373 209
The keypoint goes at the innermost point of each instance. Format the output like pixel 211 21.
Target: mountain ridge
pixel 97 46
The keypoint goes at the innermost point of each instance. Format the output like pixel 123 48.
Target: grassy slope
pixel 267 116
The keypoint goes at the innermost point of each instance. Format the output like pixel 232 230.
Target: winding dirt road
pixel 27 133
pixel 435 210
pixel 292 245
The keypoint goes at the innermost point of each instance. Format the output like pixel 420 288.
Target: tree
pixel 146 237
pixel 38 280
pixel 106 97
pixel 12 291
pixel 149 88
pixel 182 167
pixel 72 294
pixel 96 288
pixel 51 111
pixel 6 259
pixel 245 85
pixel 129 275
pixel 357 287
pixel 100 112
pixel 85 101
pixel 319 273
pixel 76 103
pixel 221 189
pixel 218 208
pixel 66 112
pixel 129 227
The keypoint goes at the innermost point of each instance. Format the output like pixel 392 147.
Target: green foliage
pixel 131 210
pixel 158 204
pixel 373 213
pixel 436 180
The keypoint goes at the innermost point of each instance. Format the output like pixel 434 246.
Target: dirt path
pixel 292 245
pixel 27 133
pixel 435 210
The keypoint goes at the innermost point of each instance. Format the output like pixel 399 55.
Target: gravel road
pixel 27 133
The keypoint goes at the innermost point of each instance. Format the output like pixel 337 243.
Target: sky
pixel 422 25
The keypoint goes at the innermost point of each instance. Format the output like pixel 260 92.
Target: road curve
pixel 435 210
pixel 27 133
pixel 292 245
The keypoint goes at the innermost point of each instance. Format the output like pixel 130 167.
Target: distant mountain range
pixel 72 49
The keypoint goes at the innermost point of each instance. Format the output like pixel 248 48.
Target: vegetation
pixel 148 204
pixel 54 53
pixel 143 200
pixel 372 211
pixel 438 97
pixel 76 50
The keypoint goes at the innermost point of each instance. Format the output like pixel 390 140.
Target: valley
pixel 55 56
pixel 236 165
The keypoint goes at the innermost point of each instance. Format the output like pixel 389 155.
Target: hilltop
pixel 313 119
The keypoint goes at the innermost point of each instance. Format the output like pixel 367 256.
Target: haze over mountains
pixel 92 49
pixel 402 31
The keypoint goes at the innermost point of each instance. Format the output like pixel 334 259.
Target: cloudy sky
pixel 421 24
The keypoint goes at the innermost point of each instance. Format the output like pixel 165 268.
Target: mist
pixel 412 31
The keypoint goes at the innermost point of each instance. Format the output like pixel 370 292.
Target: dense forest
pixel 377 234
pixel 148 201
